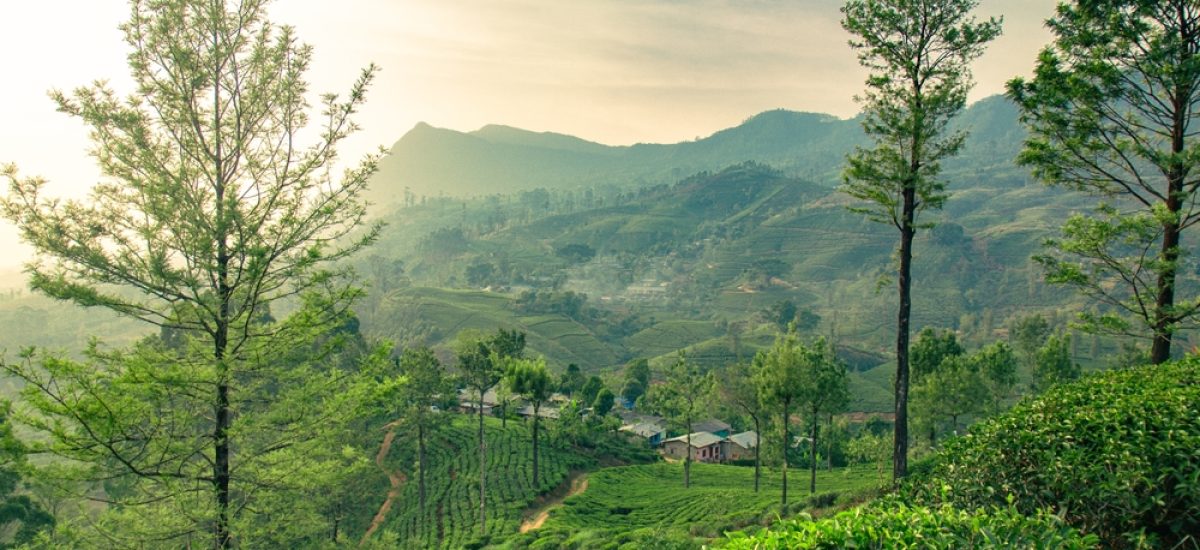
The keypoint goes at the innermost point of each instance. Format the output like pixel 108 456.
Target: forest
pixel 937 324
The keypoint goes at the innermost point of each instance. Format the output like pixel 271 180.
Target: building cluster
pixel 711 440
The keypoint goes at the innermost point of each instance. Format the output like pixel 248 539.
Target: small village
pixel 712 440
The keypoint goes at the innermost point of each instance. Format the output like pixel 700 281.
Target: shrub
pixel 1117 454
pixel 892 524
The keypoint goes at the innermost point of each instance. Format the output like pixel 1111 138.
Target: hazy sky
pixel 613 71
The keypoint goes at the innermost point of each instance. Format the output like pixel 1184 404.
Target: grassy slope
pixel 628 498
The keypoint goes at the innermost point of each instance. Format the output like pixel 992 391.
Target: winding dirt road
pixel 537 516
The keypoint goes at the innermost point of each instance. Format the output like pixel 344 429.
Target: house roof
pixel 745 439
pixel 467 395
pixel 711 425
pixel 699 439
pixel 644 429
pixel 544 412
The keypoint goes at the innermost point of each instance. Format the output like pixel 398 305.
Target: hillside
pixel 600 279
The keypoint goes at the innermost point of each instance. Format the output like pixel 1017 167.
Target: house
pixel 706 447
pixel 545 412
pixel 740 446
pixel 650 432
pixel 713 426
pixel 468 402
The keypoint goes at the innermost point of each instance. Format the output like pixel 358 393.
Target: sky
pixel 612 71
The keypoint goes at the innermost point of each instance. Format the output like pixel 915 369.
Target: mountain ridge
pixel 498 159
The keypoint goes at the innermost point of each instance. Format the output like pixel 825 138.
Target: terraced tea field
pixel 623 500
pixel 450 518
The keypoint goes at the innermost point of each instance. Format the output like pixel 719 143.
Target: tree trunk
pixel 900 435
pixel 1164 318
pixel 829 446
pixel 221 448
pixel 482 470
pixel 932 434
pixel 536 407
pixel 786 445
pixel 687 460
pixel 757 445
pixel 421 468
pixel 812 483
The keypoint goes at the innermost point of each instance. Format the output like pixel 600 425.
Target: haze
pixel 611 71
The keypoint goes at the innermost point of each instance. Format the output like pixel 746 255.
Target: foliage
pixel 896 525
pixel 210 209
pixel 870 448
pixel 529 379
pixel 572 380
pixel 684 394
pixel 929 349
pixel 1053 363
pixel 627 499
pixel 604 402
pixel 637 379
pixel 1116 454
pixel 1028 334
pixel 568 303
pixel 738 388
pixel 425 392
pixel 918 53
pixel 1108 113
pixel 21 518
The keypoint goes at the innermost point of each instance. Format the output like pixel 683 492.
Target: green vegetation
pixel 888 525
pixel 1109 112
pixel 626 504
pixel 1116 454
pixel 211 212
pixel 450 518
pixel 918 53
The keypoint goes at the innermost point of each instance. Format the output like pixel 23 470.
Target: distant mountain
pixel 434 162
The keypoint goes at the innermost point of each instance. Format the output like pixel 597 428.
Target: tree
pixel 738 388
pixel 604 402
pixel 210 208
pixel 479 359
pixel 683 394
pixel 572 380
pixel 955 390
pixel 528 378
pixel 823 390
pixel 1054 363
pixel 997 365
pixel 930 348
pixel 21 519
pixel 918 53
pixel 1109 112
pixel 637 379
pixel 426 392
pixel 1027 335
pixel 780 383
pixel 590 389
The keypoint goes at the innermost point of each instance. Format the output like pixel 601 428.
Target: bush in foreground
pixel 889 524
pixel 1117 454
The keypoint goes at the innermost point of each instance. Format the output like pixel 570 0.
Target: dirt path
pixel 397 480
pixel 536 516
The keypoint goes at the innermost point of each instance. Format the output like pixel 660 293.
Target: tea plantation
pixel 450 518
pixel 632 505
